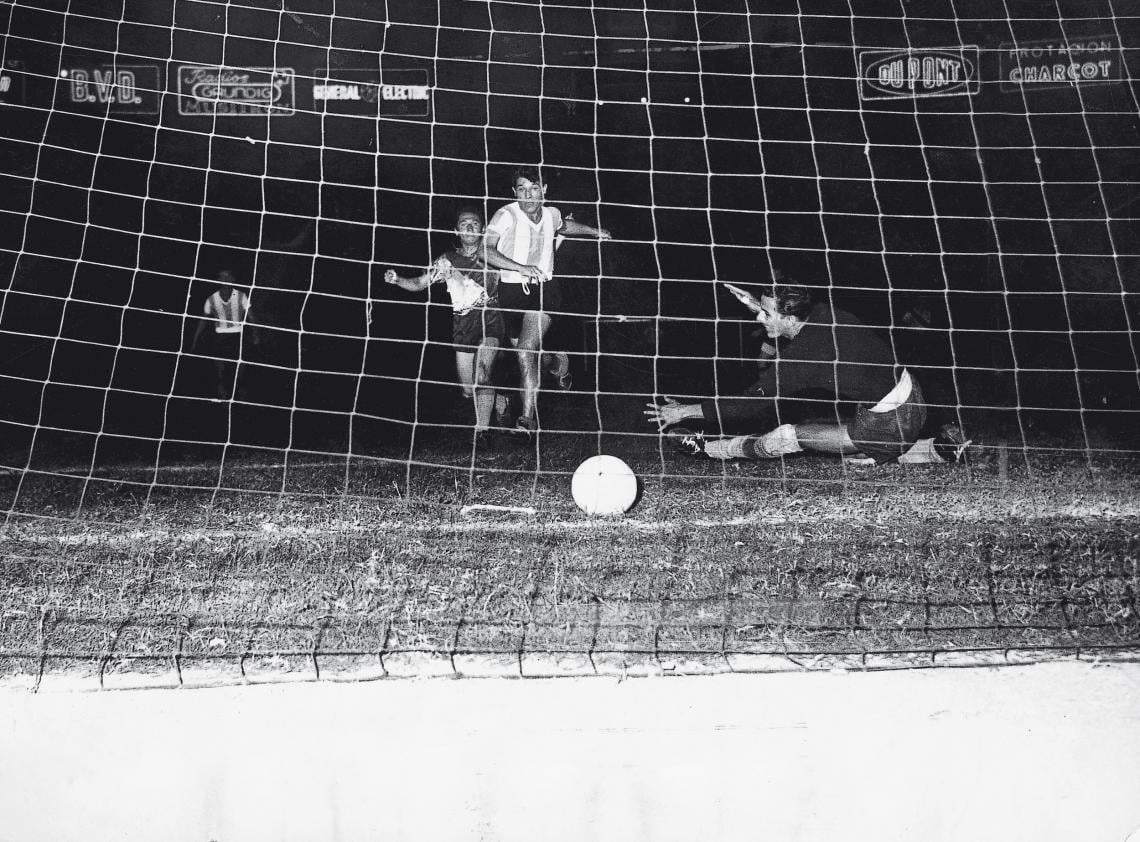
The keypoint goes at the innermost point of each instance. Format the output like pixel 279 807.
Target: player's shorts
pixel 226 346
pixel 885 436
pixel 469 329
pixel 513 302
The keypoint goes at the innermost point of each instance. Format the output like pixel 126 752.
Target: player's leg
pixel 534 326
pixel 484 363
pixel 558 364
pixel 465 371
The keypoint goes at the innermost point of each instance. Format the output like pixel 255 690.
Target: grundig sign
pixel 919 72
pixel 246 91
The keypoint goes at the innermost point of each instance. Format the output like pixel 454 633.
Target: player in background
pixel 821 350
pixel 226 310
pixel 521 241
pixel 477 324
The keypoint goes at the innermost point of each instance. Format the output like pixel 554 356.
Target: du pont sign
pixel 245 91
pixel 1061 63
pixel 918 72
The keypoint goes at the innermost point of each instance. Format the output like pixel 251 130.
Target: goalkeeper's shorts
pixel 884 436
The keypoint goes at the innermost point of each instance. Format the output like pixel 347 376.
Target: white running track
pixel 1042 752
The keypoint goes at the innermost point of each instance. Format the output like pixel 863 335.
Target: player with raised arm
pixel 521 240
pixel 477 324
pixel 822 350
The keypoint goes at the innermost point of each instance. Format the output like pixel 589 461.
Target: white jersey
pixel 524 241
pixel 228 314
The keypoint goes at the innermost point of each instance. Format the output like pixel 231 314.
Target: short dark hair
pixel 792 300
pixel 532 174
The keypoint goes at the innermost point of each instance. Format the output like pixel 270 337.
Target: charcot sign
pixel 1061 62
pixel 245 91
pixel 372 92
pixel 119 88
pixel 918 72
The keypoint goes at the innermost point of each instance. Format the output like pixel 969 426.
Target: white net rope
pixel 958 176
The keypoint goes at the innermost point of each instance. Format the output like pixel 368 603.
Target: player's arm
pixel 418 283
pixel 201 328
pixel 746 298
pixel 573 228
pixel 497 260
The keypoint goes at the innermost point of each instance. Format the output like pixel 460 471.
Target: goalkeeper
pixel 477 324
pixel 822 350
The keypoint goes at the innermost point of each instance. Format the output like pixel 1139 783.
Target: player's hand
pixel 390 276
pixel 746 298
pixel 666 414
pixel 530 274
pixel 604 234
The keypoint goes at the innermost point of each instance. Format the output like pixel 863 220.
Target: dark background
pixel 715 145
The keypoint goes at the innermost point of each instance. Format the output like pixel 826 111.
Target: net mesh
pixel 957 175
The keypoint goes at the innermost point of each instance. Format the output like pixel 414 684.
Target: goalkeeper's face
pixel 774 322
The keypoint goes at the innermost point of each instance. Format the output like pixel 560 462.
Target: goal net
pixel 201 201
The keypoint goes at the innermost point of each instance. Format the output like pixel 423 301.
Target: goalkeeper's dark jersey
pixel 833 362
pixel 835 354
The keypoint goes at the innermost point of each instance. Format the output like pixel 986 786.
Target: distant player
pixel 226 311
pixel 477 324
pixel 521 240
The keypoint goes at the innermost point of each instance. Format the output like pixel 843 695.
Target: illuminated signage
pixel 234 91
pixel 919 72
pixel 12 83
pixel 370 92
pixel 121 89
pixel 1060 63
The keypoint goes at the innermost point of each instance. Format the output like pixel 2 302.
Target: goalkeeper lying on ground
pixel 821 349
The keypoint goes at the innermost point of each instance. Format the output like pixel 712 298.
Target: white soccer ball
pixel 604 485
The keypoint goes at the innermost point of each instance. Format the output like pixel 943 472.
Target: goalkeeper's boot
pixel 951 443
pixel 687 441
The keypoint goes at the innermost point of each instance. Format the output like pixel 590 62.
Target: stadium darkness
pixel 1002 210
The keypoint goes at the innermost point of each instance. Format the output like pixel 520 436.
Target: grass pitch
pixel 247 564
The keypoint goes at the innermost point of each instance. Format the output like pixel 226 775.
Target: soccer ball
pixel 604 485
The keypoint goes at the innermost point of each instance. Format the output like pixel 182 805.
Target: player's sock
pixel 780 442
pixel 922 452
pixel 559 363
pixel 730 448
pixel 484 406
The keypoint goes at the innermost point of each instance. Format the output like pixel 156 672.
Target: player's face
pixel 774 323
pixel 530 194
pixel 469 228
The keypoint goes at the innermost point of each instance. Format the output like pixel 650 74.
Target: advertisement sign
pixel 235 91
pixel 1061 62
pixel 12 83
pixel 119 89
pixel 918 72
pixel 372 93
